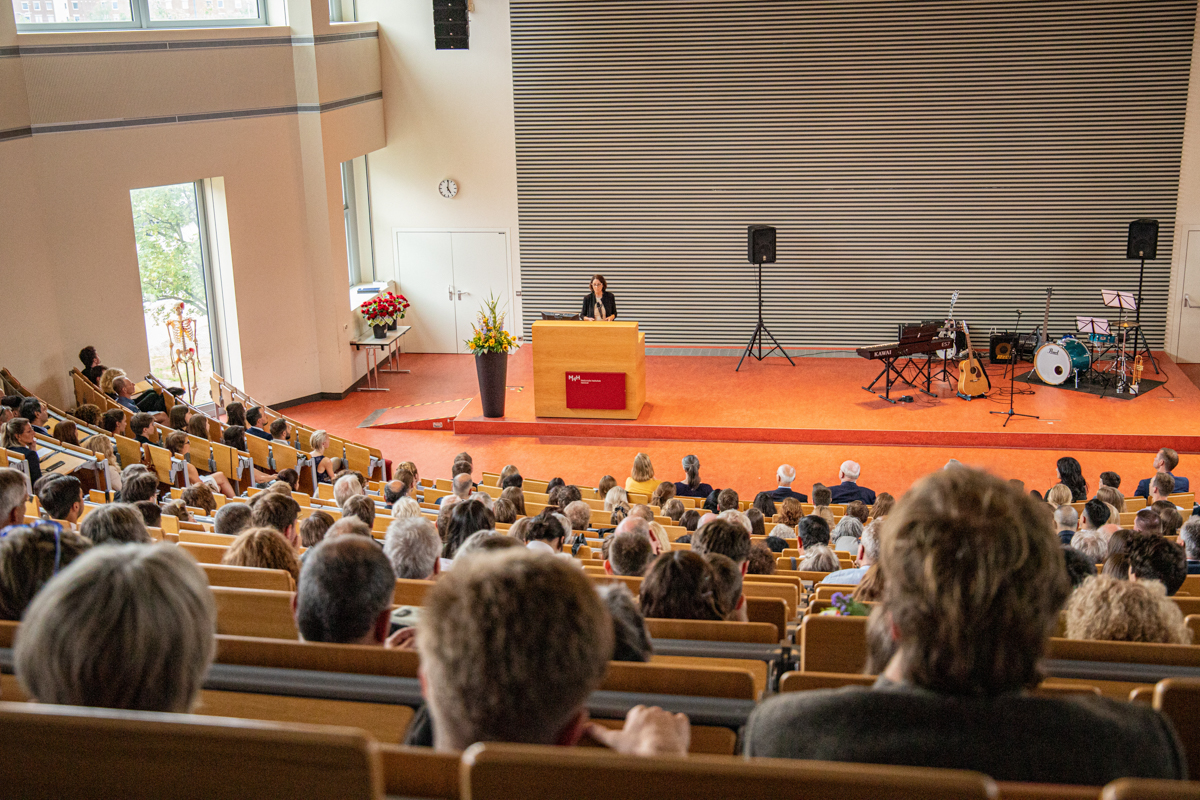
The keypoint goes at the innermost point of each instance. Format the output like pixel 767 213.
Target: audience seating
pixel 1142 789
pixel 66 751
pixel 494 771
pixel 1179 699
pixel 254 612
pixel 249 578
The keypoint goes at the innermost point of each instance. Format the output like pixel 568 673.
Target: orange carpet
pixel 694 392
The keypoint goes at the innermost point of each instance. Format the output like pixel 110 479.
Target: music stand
pixel 1090 325
pixel 1012 376
pixel 1122 300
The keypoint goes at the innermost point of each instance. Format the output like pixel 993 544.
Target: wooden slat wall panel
pixel 902 149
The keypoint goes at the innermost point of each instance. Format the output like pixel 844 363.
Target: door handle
pixel 450 293
pixel 460 294
pixel 1187 301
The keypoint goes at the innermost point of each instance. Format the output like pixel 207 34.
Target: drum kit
pixel 1072 357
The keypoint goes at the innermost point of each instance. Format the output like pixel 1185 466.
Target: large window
pixel 356 208
pixel 108 14
pixel 177 283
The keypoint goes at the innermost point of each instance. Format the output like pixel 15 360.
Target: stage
pixel 819 401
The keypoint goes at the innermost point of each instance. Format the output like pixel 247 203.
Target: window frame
pixel 140 10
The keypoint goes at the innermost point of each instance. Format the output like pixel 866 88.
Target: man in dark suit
pixel 1164 461
pixel 35 411
pixel 254 418
pixel 848 490
pixel 785 475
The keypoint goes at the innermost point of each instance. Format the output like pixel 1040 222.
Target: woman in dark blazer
pixel 599 302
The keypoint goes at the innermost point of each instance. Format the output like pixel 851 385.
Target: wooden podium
pixel 563 349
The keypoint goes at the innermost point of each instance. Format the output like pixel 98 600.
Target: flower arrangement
pixel 845 605
pixel 384 308
pixel 490 336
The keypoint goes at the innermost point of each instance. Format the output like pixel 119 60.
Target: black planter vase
pixel 380 330
pixel 492 370
pixel 392 325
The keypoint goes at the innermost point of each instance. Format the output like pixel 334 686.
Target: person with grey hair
pixel 232 519
pixel 115 523
pixel 642 528
pixel 737 518
pixel 345 593
pixel 13 496
pixel 846 533
pixel 484 542
pixel 692 487
pixel 1066 522
pixel 349 526
pixel 629 554
pixel 346 487
pixel 579 514
pixel 848 489
pixel 413 547
pixel 461 488
pixel 1091 544
pixel 488 501
pixel 125 626
pixel 785 476
pixel 868 554
pixel 1189 540
pixel 631 639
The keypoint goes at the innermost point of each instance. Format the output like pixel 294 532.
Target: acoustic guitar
pixel 973 381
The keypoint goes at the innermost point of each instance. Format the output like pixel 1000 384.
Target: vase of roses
pixel 383 311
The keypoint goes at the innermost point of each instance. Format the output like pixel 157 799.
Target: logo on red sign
pixel 596 390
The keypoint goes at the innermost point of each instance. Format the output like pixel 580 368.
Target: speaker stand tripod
pixel 756 338
pixel 1012 376
pixel 1140 345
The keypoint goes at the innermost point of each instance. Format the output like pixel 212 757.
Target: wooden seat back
pixel 796 681
pixel 254 612
pixel 833 644
pixel 286 457
pixel 1147 789
pixel 1179 699
pixel 411 592
pixel 788 594
pixel 419 772
pixel 277 580
pixel 491 771
pixel 136 755
pixel 626 676
pixel 358 458
pixel 359 659
pixel 204 553
pixel 1176 655
pixel 260 451
pixel 772 610
pixel 703 630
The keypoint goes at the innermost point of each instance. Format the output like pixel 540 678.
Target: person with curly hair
pixel 1113 610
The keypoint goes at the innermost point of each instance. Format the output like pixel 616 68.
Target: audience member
pixel 325 466
pixel 724 537
pixel 20 437
pixel 1079 566
pixel 350 526
pixel 233 518
pixel 1095 515
pixel 30 555
pixel 198 495
pixel 846 533
pixel 142 426
pixel 197 425
pixel 314 528
pixel 819 558
pixel 690 520
pixel 727 500
pixel 106 381
pixel 1189 539
pixel 761 561
pixel 727 587
pixel 784 477
pixel 1153 558
pixel 361 507
pixel 177 509
pixel 92 368
pixel 965 553
pixel 629 554
pixel 1113 610
pixel 468 517
pixel 563 496
pixel 1071 474
pixel 883 505
pixel 868 554
pixel 1091 544
pixel 775 544
pixel 511 476
pixel 1066 522
pixel 180 446
pixel 290 477
pixel 254 416
pixel 113 422
pixel 1112 497
pixel 858 510
pixel 279 512
pixel 812 530
pixel 579 514
pixel 13 496
pixel 765 504
pixel 345 593
pixel 1059 495
pixel 485 542
pixel 278 429
pixel 521 670
pixel 126 627
pixel 506 512
pixel 1116 566
pixel 152 514
pixel 641 479
pixel 631 640
pixel 178 416
pixel 848 488
pixel 102 445
pixel 36 412
pixel 514 495
pixel 264 548
pixel 1165 462
pixel 758 526
pixel 461 487
pixel 1169 516
pixel 1161 486
pixel 692 486
pixel 115 523
pixel 616 496
pixel 61 496
pixel 413 547
pixel 1110 479
pixel 662 493
pixel 235 414
pixel 1147 520
pixel 67 432
pixel 607 484
pixel 344 488
pixel 674 509
pixel 680 585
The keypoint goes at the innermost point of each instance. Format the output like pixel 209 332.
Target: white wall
pixel 449 114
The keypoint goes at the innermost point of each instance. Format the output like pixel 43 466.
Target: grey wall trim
pixel 187 44
pixel 15 133
pixel 9 52
pixel 903 150
pixel 108 124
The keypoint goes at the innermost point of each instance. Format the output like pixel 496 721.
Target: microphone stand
pixel 1012 376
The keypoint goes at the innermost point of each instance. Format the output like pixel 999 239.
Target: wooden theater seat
pixel 254 612
pixel 833 644
pixel 491 771
pixel 358 659
pixel 419 772
pixel 1179 699
pixel 757 632
pixel 652 678
pixel 1146 789
pixel 249 577
pixel 66 751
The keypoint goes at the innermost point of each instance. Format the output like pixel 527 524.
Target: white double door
pixel 447 276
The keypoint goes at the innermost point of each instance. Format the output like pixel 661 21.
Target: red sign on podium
pixel 596 390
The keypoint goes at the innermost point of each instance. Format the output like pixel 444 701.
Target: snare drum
pixel 1055 362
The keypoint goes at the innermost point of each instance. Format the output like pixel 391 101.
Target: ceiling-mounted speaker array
pixel 451 28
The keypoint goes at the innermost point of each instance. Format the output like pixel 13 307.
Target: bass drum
pixel 1056 362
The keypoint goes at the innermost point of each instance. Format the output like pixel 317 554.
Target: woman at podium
pixel 599 303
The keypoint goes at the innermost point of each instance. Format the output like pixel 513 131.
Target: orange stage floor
pixel 742 425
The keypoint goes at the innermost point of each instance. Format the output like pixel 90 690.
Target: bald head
pixel 462 485
pixel 642 528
